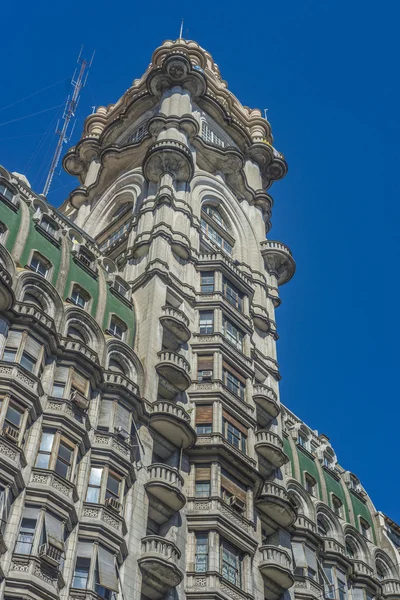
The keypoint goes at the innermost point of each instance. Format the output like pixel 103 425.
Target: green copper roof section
pixel 334 487
pixel 288 450
pixel 121 309
pixel 308 464
pixel 361 510
pixel 11 220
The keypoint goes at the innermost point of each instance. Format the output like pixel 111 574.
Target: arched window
pixel 351 548
pixel 32 299
pixel 121 210
pixel 323 526
pixel 382 571
pixel 214 229
pixel 76 334
pixel 115 366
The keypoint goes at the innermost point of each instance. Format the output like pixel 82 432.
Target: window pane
pixel 9 355
pixel 28 362
pixel 13 415
pixel 81 574
pixel 61 468
pixel 42 461
pixel 113 485
pixel 95 476
pixel 93 495
pixel 65 452
pixel 58 390
pixel 47 441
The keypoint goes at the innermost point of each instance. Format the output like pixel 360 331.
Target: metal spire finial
pixel 181 31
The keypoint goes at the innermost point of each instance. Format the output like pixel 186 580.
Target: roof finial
pixel 181 31
pixel 265 114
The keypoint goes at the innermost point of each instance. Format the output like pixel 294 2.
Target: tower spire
pixel 181 30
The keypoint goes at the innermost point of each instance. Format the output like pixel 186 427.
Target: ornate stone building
pixel 145 453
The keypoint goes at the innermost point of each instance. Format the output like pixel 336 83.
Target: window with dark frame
pixel 206 322
pixel 207 282
pixel 233 380
pixel 234 432
pixel 201 565
pixel 39 265
pixel 232 294
pixel 231 563
pixel 205 367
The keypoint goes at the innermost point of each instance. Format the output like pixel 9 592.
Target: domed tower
pixel 173 189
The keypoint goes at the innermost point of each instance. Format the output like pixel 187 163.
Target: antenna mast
pixel 71 104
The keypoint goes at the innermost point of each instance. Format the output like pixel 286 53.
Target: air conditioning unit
pixel 236 503
pixel 206 374
pixel 80 400
pixel 113 504
pixel 11 434
pixel 122 433
pixel 51 554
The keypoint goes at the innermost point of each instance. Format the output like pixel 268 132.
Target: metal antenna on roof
pixel 265 114
pixel 69 114
pixel 181 31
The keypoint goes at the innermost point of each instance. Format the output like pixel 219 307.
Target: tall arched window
pixel 214 230
pixel 32 299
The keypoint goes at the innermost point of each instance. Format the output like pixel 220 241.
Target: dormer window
pixel 117 328
pixel 79 296
pixel 49 226
pixel 6 193
pixel 39 264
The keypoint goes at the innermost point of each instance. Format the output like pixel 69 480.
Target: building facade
pixel 144 450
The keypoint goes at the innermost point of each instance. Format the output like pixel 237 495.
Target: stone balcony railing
pixel 113 379
pixel 217 338
pixel 200 388
pixel 16 375
pixel 164 487
pixel 33 572
pixel 270 445
pixel 213 257
pixel 305 524
pixel 307 587
pixel 278 260
pixel 63 407
pixel 173 422
pixel 6 292
pixel 276 556
pixel 275 566
pixel 176 322
pixel 331 546
pixel 391 588
pixel 361 570
pixel 158 562
pixel 175 369
pixel 215 506
pixel 119 448
pixel 274 501
pixel 30 310
pixel 266 398
pixel 44 478
pixel 12 456
pixel 99 514
pixel 72 345
pixel 217 440
pixel 168 475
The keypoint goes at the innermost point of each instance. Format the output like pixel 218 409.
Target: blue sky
pixel 328 73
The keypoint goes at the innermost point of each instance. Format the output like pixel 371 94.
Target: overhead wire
pixel 34 94
pixel 42 141
pixel 40 112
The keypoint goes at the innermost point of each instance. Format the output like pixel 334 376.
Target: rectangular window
pixel 81 573
pixel 205 367
pixel 44 455
pixel 207 282
pixel 120 288
pixel 9 355
pixel 204 418
pixel 78 298
pixel 233 334
pixel 13 417
pixel 204 428
pixel 310 484
pixel 203 481
pixel 231 564
pixel 93 492
pixel 206 322
pixel 38 266
pixel 117 328
pixel 64 459
pixel 201 552
pixel 113 485
pixel 27 531
pixel 235 382
pixel 28 362
pixel 48 226
pixel 232 294
pixel 365 528
pixel 203 489
pixel 58 390
pixel 234 432
pixel 231 487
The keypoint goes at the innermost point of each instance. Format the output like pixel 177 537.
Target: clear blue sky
pixel 328 71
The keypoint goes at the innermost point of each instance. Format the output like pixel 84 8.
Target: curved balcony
pixel 165 486
pixel 270 446
pixel 168 155
pixel 266 398
pixel 175 369
pixel 261 318
pixel 275 503
pixel 157 562
pixel 173 423
pixel 275 566
pixel 391 588
pixel 334 548
pixel 6 293
pixel 176 322
pixel 305 525
pixel 278 260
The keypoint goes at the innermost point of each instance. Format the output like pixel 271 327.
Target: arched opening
pixel 116 366
pixel 76 334
pixel 323 526
pixel 32 299
pixel 214 230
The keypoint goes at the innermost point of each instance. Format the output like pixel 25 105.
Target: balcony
pixel 215 509
pixel 32 577
pixel 278 260
pixel 275 566
pixel 305 525
pixel 176 322
pixel 121 382
pixel 261 318
pixel 14 376
pixel 77 347
pixel 165 486
pixel 305 587
pixel 104 517
pixel 175 369
pixel 391 588
pixel 158 563
pixel 212 586
pixel 173 423
pixel 270 446
pixel 6 293
pixel 77 419
pixel 334 549
pixel 12 461
pixel 216 442
pixel 363 573
pixel 60 491
pixel 275 503
pixel 266 398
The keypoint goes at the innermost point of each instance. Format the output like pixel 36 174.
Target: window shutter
pixel 205 363
pixel 79 382
pixel 107 571
pixel 105 415
pixel 61 374
pixel 13 339
pixel 54 531
pixel 203 473
pixel 122 417
pixel 32 347
pixel 85 549
pixel 228 367
pixel 299 555
pixel 232 487
pixel 204 414
pixel 234 422
pixel 311 558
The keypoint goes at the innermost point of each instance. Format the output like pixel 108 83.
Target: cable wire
pixel 31 115
pixel 34 94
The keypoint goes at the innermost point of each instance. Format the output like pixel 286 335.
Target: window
pixel 233 492
pixel 55 453
pixel 215 237
pixel 201 552
pixel 351 550
pixel 49 226
pixel 207 282
pixel 203 489
pixel 202 481
pixel 381 571
pixel 234 432
pixel 322 527
pixel 6 192
pixel 115 365
pixel 337 506
pixel 22 348
pixel 117 328
pixel 112 487
pixel 95 563
pixel 310 484
pixel 204 418
pixel 103 484
pixel 85 257
pixel 115 236
pixel 305 560
pixel 3 233
pixel 13 417
pixel 232 294
pixel 231 563
pixel 121 211
pixel 326 461
pixel 67 380
pixel 76 334
pixel 205 367
pixel 233 334
pixel 121 288
pixel 335 583
pixel 235 382
pixel 94 488
pixel 39 264
pixel 210 136
pixel 365 528
pixel 206 322
pixel 28 362
pixel 79 296
pixel 32 299
pixel 211 218
pixel 302 441
pixel 81 574
pixel 27 531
